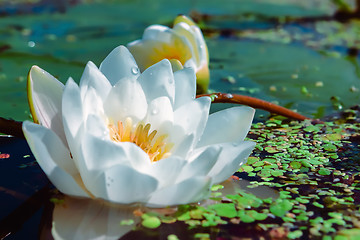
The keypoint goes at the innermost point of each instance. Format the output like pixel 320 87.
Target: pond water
pixel 288 52
pixel 267 60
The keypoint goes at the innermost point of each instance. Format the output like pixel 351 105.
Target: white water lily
pixel 127 137
pixel 183 45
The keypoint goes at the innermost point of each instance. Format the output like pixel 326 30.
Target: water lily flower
pixel 183 44
pixel 127 137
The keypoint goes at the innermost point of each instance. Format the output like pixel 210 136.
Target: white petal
pixel 158 81
pixel 231 158
pixel 119 64
pixel 150 51
pixel 166 170
pixel 95 125
pixel 176 65
pixel 126 99
pixel 54 158
pixel 99 154
pixel 184 147
pixel 73 119
pixel 187 32
pixel 189 191
pixel 124 185
pixel 106 170
pixel 44 95
pixel 93 78
pixel 142 52
pixel 201 45
pixel 158 33
pixel 200 163
pixel 160 114
pixel 185 86
pixel 92 103
pixel 191 64
pixel 229 125
pixel 193 116
pixel 183 143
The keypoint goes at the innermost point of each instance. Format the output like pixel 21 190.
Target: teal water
pixel 276 68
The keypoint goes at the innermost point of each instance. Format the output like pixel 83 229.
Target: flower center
pixel 177 50
pixel 155 146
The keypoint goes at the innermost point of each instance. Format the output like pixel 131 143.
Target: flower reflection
pixel 75 218
pixel 89 219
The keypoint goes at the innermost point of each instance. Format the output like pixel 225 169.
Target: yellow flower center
pixel 176 50
pixel 155 146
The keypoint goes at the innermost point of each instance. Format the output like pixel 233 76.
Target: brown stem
pixel 255 103
pixel 11 127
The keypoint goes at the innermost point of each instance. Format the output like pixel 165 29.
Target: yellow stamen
pixel 155 146
pixel 127 130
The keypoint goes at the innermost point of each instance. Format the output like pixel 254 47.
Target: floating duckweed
pixel 329 147
pixel 295 234
pixel 193 223
pixel 319 205
pixel 246 168
pixel 149 221
pixel 224 209
pixel 295 165
pixel 324 171
pixel 167 219
pixel 312 128
pixel 57 200
pixel 202 236
pixel 302 217
pixel 245 217
pixel 217 187
pixel 281 207
pixel 127 222
pixel 314 168
pixel 302 200
pixel 304 90
pixel 172 237
pixel 276 173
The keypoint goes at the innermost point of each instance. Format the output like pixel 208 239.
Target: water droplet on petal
pixel 134 70
pixel 109 181
pixel 171 80
pixel 229 95
pixel 154 111
pixel 31 44
pixel 105 135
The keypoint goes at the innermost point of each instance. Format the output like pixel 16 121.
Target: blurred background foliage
pixel 300 54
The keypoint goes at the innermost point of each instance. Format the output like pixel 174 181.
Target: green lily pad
pixel 151 222
pixel 281 207
pixel 225 209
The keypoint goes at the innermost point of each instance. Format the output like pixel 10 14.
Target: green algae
pixel 318 193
